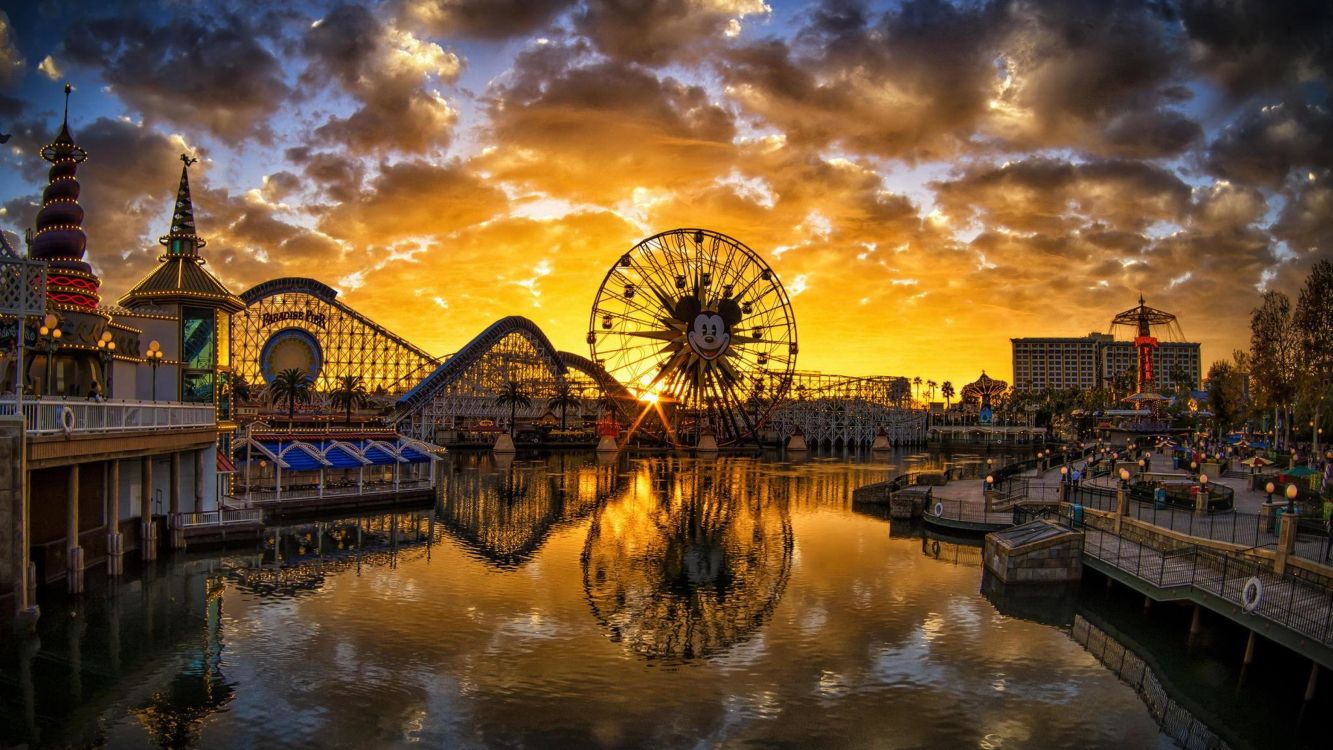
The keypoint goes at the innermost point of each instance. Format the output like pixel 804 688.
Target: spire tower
pixel 182 239
pixel 60 239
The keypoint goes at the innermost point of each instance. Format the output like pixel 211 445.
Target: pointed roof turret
pixel 182 239
pixel 181 277
pixel 60 239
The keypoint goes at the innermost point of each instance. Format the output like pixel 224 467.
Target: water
pixel 656 602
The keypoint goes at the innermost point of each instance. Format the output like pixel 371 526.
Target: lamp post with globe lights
pixel 106 349
pixel 154 357
pixel 49 342
pixel 1292 492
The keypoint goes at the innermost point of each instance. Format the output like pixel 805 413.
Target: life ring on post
pixel 66 419
pixel 1253 593
pixel 938 509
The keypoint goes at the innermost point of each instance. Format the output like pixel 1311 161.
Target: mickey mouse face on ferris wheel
pixel 710 331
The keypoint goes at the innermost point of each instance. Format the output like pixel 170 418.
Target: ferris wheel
pixel 696 324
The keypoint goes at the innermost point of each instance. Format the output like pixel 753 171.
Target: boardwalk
pixel 1296 602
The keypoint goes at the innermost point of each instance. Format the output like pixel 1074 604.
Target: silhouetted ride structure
pixel 691 333
pixel 700 330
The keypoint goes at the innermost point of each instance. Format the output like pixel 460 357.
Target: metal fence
pixel 1299 600
pixel 51 416
pixel 217 518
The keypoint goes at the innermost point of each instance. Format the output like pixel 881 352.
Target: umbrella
pixel 1299 471
pixel 1143 397
pixel 1256 461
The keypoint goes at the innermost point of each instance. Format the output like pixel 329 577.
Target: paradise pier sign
pixel 312 317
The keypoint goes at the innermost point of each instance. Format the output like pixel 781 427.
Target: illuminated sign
pixel 308 316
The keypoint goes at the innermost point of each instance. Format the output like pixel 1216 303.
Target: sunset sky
pixel 927 178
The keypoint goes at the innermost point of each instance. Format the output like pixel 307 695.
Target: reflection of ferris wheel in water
pixel 695 323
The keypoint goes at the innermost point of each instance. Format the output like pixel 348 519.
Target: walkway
pixel 1299 605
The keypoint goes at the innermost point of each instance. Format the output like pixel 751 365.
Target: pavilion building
pixel 109 453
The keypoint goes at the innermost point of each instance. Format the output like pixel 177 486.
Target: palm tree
pixel 563 399
pixel 916 386
pixel 514 397
pixel 293 386
pixel 350 393
pixel 930 386
pixel 947 391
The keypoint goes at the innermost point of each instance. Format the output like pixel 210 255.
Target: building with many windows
pixel 1096 360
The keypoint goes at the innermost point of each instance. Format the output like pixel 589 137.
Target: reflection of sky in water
pixel 864 640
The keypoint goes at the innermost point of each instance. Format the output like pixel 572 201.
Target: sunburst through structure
pixel 700 329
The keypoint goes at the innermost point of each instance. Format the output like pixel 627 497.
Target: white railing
pixel 268 495
pixel 53 416
pixel 217 518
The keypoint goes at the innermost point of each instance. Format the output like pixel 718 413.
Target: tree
pixel 350 393
pixel 1273 361
pixel 563 399
pixel 292 386
pixel 1313 321
pixel 1226 396
pixel 947 391
pixel 916 386
pixel 513 396
pixel 930 386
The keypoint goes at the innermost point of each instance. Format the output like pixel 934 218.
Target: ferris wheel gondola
pixel 695 323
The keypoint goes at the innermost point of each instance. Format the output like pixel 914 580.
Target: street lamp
pixel 154 357
pixel 50 343
pixel 1270 488
pixel 106 349
pixel 1292 492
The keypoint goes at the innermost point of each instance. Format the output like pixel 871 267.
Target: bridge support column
pixel 174 493
pixel 115 544
pixel 148 535
pixel 1247 660
pixel 1196 623
pixel 1121 508
pixel 1312 683
pixel 73 553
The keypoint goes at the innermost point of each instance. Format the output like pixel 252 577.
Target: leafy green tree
pixel 1313 321
pixel 1226 396
pixel 292 386
pixel 563 399
pixel 513 396
pixel 1273 358
pixel 350 393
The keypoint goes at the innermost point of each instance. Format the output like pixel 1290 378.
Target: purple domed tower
pixel 60 240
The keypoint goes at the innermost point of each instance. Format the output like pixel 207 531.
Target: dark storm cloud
pixel 337 175
pixel 655 32
pixel 1249 46
pixel 387 70
pixel 929 78
pixel 482 19
pixel 414 199
pixel 1267 142
pixel 11 60
pixel 1046 195
pixel 1306 222
pixel 194 71
pixel 596 131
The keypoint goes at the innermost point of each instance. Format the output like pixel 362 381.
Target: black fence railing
pixel 1297 599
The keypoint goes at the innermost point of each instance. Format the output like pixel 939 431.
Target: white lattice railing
pixel 218 518
pixel 59 416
